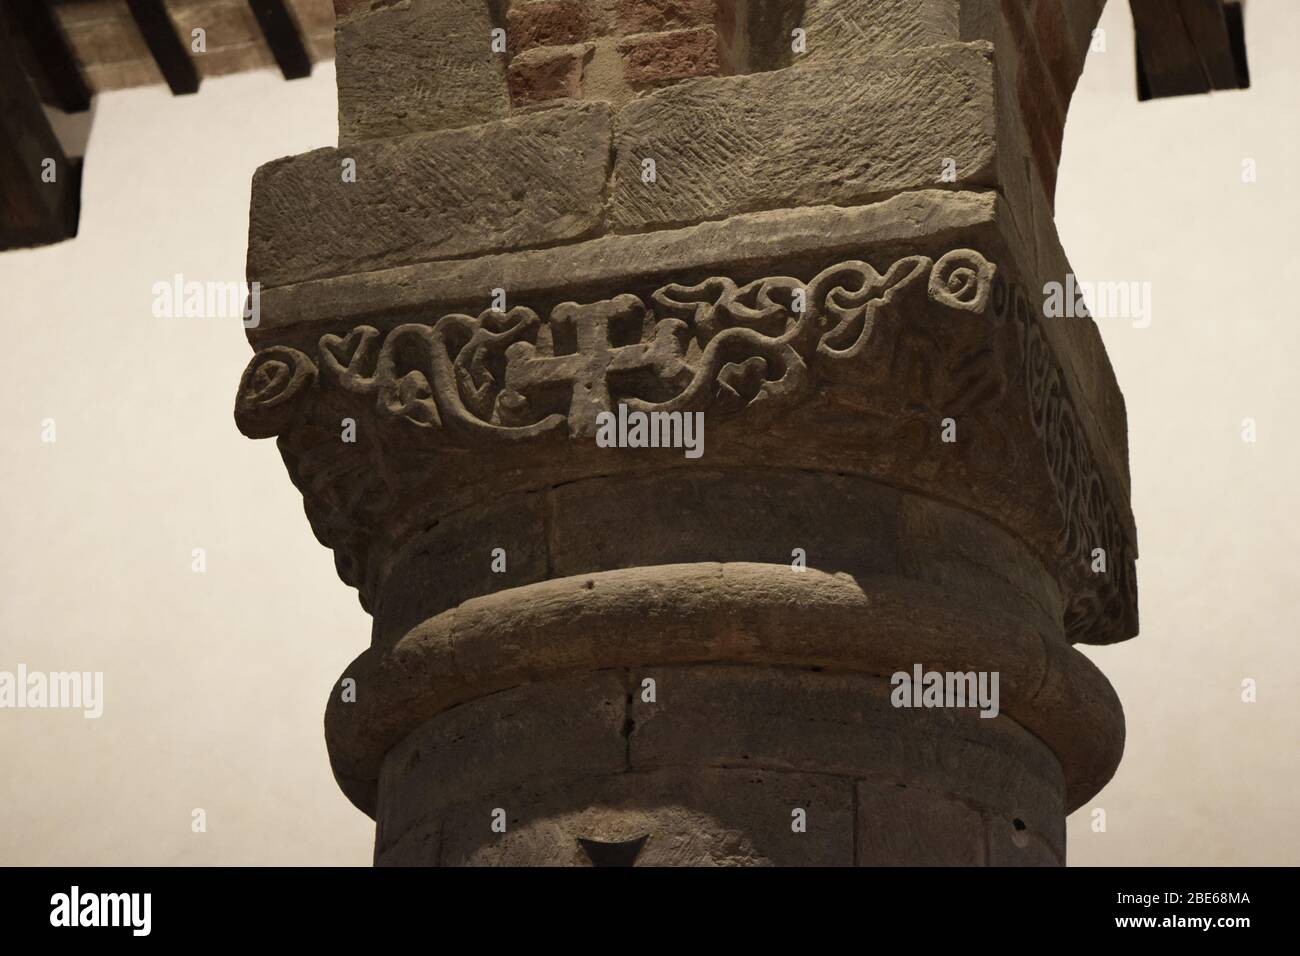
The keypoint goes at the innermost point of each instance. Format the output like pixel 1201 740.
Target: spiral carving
pixel 272 391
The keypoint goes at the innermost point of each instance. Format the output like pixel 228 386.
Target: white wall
pixel 1154 192
pixel 215 682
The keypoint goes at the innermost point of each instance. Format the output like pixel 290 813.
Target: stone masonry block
pixel 655 16
pixel 547 23
pixel 696 817
pixel 549 732
pixel 842 29
pixel 633 521
pixel 420 65
pixel 1015 843
pixel 548 73
pixel 805 137
pixel 417 846
pixel 515 183
pixel 654 59
pixel 843 724
pixel 453 561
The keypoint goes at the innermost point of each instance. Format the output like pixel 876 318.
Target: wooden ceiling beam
pixel 281 33
pixel 171 55
pixel 1189 46
pixel 50 56
pixel 40 188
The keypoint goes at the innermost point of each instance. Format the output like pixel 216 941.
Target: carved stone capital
pixel 930 374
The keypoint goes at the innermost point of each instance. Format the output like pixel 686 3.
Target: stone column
pixel 809 242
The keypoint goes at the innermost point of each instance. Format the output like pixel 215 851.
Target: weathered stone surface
pixel 484 749
pixel 703 817
pixel 807 137
pixel 418 65
pixel 714 776
pixel 611 264
pixel 454 561
pixel 959 553
pixel 417 846
pixel 678 517
pixel 654 16
pixel 515 183
pixel 927 340
pixel 899 825
pixel 842 29
pixel 742 613
pixel 846 725
pixel 656 59
pixel 547 23
pixel 1013 843
pixel 548 73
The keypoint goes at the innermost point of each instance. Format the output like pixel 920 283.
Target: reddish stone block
pixel 1062 61
pixel 1042 125
pixel 657 58
pixel 548 73
pixel 546 23
pixel 655 16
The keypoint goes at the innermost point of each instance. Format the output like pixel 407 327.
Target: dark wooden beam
pixel 1189 46
pixel 282 37
pixel 1235 11
pixel 40 187
pixel 171 55
pixel 55 69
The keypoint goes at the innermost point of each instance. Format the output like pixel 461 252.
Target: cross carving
pixel 588 370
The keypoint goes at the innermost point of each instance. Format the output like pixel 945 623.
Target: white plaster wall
pixel 1153 192
pixel 215 682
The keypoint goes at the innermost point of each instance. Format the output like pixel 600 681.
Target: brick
pixel 546 23
pixel 658 58
pixel 812 136
pixel 524 181
pixel 548 73
pixel 655 16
